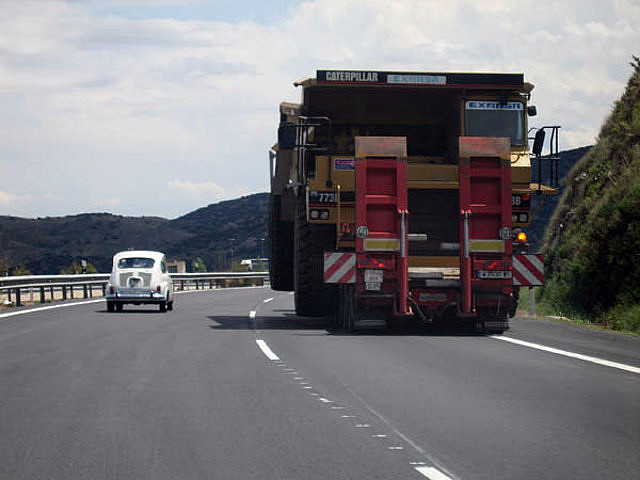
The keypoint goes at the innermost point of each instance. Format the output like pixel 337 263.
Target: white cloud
pixel 6 198
pixel 109 107
pixel 11 201
pixel 207 187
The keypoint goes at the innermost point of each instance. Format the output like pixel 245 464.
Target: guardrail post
pixel 84 290
pixel 71 291
pixel 9 295
pixel 18 303
pixel 210 284
pixel 104 290
pixel 64 292
pixel 91 290
pixel 51 292
pixel 41 294
pixel 182 285
pixel 532 302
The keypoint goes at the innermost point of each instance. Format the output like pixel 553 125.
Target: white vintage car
pixel 139 277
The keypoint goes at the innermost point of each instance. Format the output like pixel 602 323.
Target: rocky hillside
pixel 593 240
pixel 544 206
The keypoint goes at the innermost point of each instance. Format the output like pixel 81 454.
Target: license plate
pixel 373 286
pixel 373 276
pixel 494 274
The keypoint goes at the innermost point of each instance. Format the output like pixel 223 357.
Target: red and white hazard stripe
pixel 528 270
pixel 339 267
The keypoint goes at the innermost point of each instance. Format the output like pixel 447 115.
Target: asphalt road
pixel 232 385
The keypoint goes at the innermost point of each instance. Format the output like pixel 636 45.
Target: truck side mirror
pixel 538 142
pixel 532 111
pixel 287 136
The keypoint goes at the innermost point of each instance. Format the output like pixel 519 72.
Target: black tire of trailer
pixel 280 248
pixel 312 297
pixel 514 304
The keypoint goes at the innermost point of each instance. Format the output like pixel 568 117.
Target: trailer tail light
pixel 521 238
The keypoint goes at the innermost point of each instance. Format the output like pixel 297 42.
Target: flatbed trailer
pixel 404 195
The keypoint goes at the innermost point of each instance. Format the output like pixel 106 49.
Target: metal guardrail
pixel 68 285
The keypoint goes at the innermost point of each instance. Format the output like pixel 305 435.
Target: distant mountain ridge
pixel 214 233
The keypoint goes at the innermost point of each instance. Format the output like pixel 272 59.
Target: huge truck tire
pixel 346 308
pixel 312 297
pixel 280 248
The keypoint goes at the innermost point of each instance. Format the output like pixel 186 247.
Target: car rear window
pixel 135 262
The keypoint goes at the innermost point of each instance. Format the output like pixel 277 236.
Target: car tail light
pixel 112 289
pixel 158 288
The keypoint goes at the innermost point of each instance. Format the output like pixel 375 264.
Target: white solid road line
pixel 432 473
pixel 266 350
pixel 579 356
pixel 48 307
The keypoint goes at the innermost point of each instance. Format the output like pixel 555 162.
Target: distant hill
pixel 213 233
pixel 593 240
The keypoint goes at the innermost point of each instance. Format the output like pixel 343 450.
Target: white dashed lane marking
pixel 432 473
pixel 266 350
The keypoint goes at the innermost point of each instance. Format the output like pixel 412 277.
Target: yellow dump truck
pixel 405 194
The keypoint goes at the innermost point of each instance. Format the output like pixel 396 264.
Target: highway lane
pixel 478 407
pixel 190 394
pixel 92 395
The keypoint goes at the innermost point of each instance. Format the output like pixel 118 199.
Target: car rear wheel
pixel 163 306
pixel 111 307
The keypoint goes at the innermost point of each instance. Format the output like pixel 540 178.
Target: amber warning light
pixel 522 237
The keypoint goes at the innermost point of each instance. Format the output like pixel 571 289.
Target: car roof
pixel 139 253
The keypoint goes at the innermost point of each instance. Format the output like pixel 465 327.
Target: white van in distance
pixel 139 277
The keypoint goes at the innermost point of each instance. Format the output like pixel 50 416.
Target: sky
pixel 157 108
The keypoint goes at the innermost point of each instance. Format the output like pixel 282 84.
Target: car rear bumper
pixel 135 296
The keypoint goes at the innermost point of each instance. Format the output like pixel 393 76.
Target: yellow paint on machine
pixel 381 244
pixel 487 246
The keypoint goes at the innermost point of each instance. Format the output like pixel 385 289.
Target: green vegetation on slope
pixel 593 240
